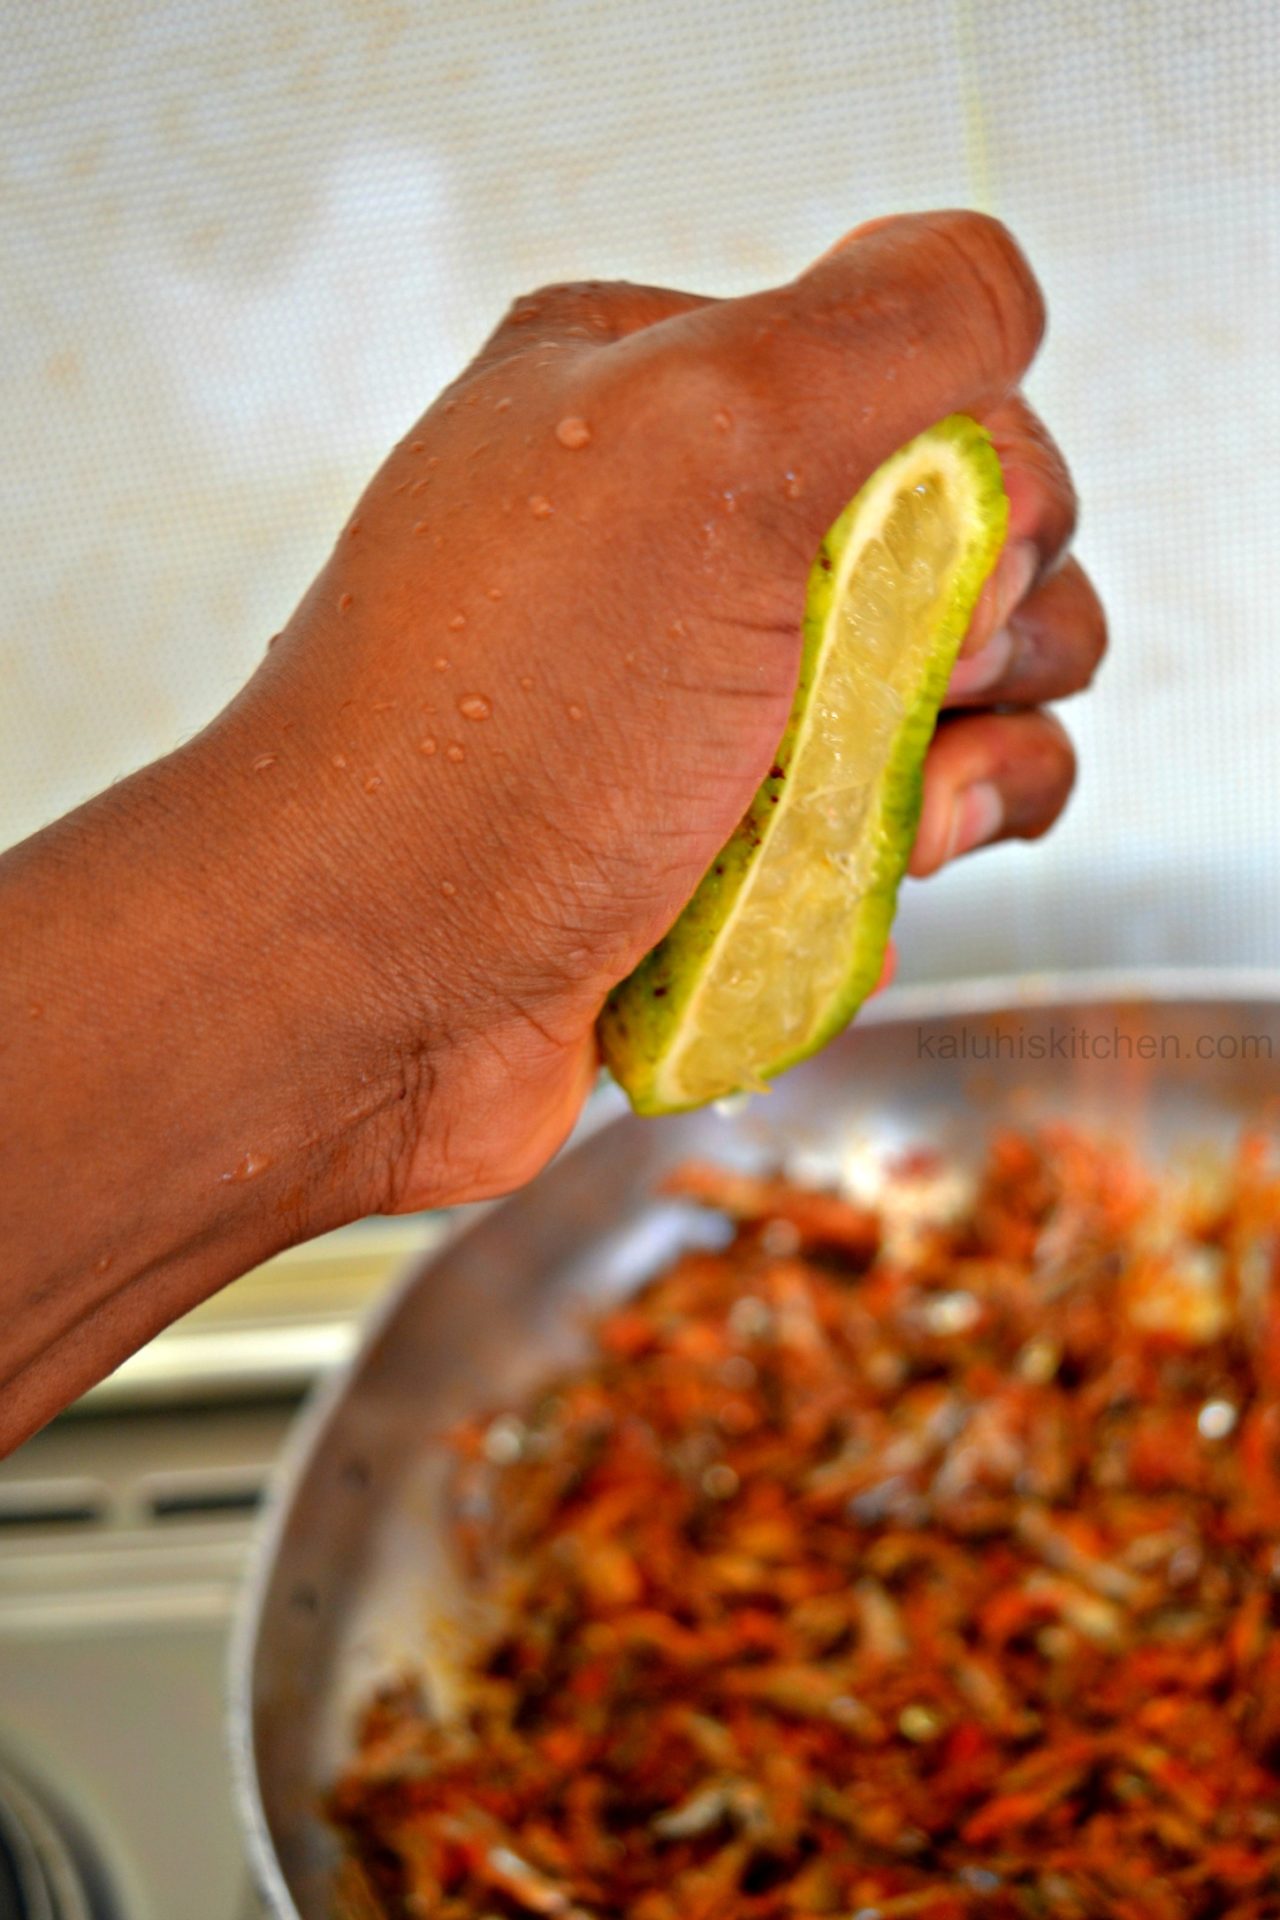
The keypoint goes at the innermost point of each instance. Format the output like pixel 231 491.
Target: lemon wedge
pixel 786 934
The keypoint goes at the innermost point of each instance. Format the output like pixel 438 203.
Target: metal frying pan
pixel 353 1564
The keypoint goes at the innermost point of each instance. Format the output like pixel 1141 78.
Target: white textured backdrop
pixel 242 243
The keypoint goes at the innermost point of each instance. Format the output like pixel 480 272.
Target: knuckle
pixel 1047 778
pixel 1032 458
pixel 1086 647
pixel 560 302
pixel 1095 636
pixel 536 304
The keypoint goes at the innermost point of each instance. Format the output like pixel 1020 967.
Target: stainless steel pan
pixel 353 1564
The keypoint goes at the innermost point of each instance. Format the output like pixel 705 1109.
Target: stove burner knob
pixel 40 1876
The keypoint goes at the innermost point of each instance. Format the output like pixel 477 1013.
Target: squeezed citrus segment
pixel 786 935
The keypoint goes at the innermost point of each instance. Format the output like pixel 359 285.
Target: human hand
pixel 539 680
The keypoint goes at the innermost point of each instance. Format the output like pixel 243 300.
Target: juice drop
pixel 248 1167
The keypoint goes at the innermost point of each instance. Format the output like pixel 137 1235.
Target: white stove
pixel 125 1532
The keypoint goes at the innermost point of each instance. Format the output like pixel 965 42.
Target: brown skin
pixel 314 965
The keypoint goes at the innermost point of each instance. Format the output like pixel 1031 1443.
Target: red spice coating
pixel 869 1574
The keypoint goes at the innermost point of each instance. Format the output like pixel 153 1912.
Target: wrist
pixel 336 1044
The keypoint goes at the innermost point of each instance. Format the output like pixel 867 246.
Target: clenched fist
pixel 344 952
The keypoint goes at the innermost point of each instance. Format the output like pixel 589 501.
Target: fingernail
pixel 976 818
pixel 1016 569
pixel 975 672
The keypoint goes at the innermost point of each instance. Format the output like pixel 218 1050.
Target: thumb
pixel 901 323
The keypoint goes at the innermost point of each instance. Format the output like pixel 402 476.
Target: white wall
pixel 242 243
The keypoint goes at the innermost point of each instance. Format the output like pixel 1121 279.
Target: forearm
pixel 188 1080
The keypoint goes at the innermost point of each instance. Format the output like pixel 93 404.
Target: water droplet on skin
pixel 36 1010
pixel 440 664
pixel 573 432
pixel 500 406
pixel 448 889
pixel 420 526
pixel 473 399
pixel 248 1167
pixel 372 782
pixel 677 630
pixel 573 710
pixel 730 501
pixel 381 706
pixel 450 406
pixel 263 761
pixel 271 642
pixel 458 621
pixel 629 658
pixel 344 602
pixel 340 760
pixel 434 460
pixel 400 487
pixel 540 506
pixel 102 1262
pixel 474 706
pixel 427 745
pixel 482 446
pixel 418 446
pixel 353 529
pixel 722 419
pixel 455 752
pixel 793 486
pixel 286 726
pixel 495 593
pixel 526 681
pixel 420 486
pixel 439 540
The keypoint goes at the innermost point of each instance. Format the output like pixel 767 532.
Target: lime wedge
pixel 786 934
